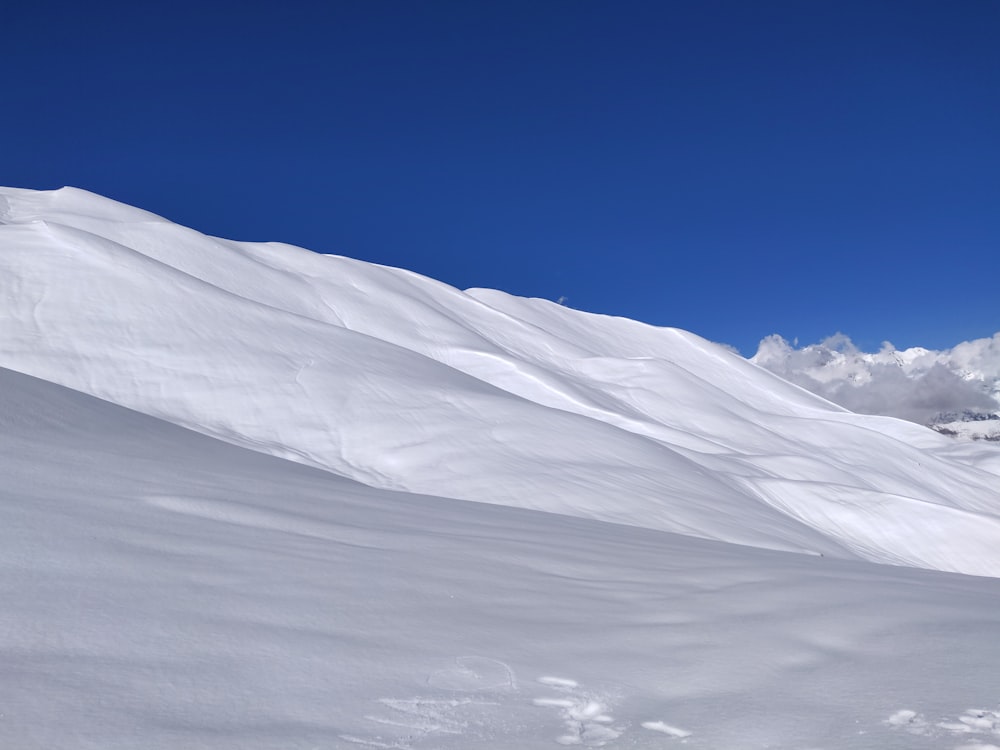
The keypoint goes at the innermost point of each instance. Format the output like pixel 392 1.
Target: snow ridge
pixel 397 381
pixel 167 587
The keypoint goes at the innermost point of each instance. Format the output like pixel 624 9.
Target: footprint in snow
pixel 408 723
pixel 668 729
pixel 972 721
pixel 586 716
pixel 909 721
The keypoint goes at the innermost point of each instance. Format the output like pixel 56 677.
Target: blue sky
pixel 733 168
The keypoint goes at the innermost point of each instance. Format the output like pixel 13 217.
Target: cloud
pixel 917 384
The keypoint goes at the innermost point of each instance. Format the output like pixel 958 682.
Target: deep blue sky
pixel 735 168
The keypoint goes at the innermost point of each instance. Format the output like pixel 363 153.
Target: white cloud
pixel 916 384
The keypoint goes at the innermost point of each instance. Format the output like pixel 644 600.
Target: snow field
pixel 165 589
pixel 400 382
pixel 261 499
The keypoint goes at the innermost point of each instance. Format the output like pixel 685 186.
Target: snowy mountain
pixel 256 497
pixel 955 391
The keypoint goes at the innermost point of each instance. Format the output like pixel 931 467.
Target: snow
pixel 235 514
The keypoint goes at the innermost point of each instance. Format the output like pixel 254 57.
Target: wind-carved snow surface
pixel 164 588
pixel 400 382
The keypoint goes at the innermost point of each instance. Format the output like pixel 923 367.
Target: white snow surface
pixel 400 382
pixel 631 573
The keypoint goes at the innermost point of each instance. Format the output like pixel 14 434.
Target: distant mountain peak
pixel 917 384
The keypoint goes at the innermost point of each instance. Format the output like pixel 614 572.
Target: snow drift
pixel 163 589
pixel 397 381
pixel 235 513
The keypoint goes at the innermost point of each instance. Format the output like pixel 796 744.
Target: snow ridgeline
pixel 397 381
pixel 168 589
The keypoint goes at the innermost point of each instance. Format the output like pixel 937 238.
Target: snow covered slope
pixel 399 382
pixel 163 589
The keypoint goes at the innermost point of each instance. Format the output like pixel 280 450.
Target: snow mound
pixel 164 589
pixel 399 382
